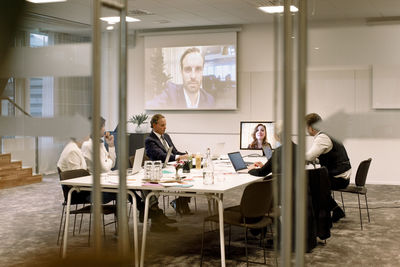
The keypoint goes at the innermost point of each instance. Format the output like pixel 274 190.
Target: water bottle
pixel 208 169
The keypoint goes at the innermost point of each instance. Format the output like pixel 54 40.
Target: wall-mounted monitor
pixel 256 134
pixel 195 72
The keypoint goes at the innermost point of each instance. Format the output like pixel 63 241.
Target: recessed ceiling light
pixel 276 9
pixel 113 20
pixel 110 28
pixel 45 1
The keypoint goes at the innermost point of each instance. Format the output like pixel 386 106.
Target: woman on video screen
pixel 259 137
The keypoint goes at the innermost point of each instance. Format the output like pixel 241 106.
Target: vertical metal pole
pixel 96 91
pixel 287 167
pixel 123 237
pixel 301 183
pixel 37 154
pixel 276 161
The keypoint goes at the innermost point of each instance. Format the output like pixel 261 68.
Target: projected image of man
pixel 192 74
pixel 190 94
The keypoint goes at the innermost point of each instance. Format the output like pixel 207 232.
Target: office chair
pixel 256 202
pixel 359 186
pixel 78 198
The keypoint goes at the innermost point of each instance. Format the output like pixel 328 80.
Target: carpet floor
pixel 30 217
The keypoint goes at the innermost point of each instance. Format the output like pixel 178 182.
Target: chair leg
pixel 359 208
pixel 366 203
pixel 80 224
pixel 90 226
pixel 245 246
pixel 264 238
pixel 195 204
pixel 202 244
pixel 229 242
pixel 61 222
pixel 73 231
pixel 341 195
pixel 104 227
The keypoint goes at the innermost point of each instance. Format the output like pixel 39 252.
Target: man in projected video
pixel 190 94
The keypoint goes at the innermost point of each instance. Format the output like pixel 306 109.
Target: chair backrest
pixel 362 172
pixel 256 199
pixel 73 174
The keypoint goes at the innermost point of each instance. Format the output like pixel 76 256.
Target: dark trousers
pixel 336 183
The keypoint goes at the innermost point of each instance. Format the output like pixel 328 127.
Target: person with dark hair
pixel 157 144
pixel 191 93
pixel 259 137
pixel 107 158
pixel 333 155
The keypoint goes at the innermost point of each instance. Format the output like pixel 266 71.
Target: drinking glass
pixel 148 170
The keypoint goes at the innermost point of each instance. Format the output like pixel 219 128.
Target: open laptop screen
pixel 237 161
pixel 168 156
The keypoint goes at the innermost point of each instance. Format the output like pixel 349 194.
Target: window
pixel 36 87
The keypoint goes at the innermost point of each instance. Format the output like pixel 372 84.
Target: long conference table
pixel 225 179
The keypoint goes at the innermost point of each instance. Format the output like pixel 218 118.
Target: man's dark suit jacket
pixel 174 97
pixel 155 149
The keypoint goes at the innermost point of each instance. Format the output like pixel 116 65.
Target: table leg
pixel 221 227
pixel 135 229
pixel 145 220
pixel 64 251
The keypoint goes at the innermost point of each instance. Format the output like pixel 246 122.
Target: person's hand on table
pixel 183 157
pixel 255 165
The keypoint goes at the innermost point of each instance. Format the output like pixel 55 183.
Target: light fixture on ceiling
pixel 109 28
pixel 45 1
pixel 276 9
pixel 113 20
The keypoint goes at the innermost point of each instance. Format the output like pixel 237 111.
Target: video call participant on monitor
pixel 190 94
pixel 259 136
pixel 332 155
pixel 157 145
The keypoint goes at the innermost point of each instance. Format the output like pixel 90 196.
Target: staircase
pixel 13 174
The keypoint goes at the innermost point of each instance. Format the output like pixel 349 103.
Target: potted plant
pixel 140 121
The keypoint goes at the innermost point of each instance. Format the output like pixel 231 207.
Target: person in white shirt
pixel 71 157
pixel 332 155
pixel 107 158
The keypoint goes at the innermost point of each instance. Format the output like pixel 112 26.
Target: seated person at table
pixel 157 145
pixel 72 158
pixel 332 155
pixel 260 169
pixel 259 137
pixel 107 158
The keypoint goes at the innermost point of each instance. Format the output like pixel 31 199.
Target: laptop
pixel 237 162
pixel 137 163
pixel 267 152
pixel 169 152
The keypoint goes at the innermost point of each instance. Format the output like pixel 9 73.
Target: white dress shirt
pixel 71 158
pixel 107 158
pixel 189 103
pixel 322 144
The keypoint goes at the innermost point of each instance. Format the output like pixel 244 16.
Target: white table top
pixel 224 179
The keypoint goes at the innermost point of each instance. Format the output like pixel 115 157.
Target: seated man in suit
pixel 332 155
pixel 157 145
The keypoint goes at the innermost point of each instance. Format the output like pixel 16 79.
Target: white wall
pixel 339 77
